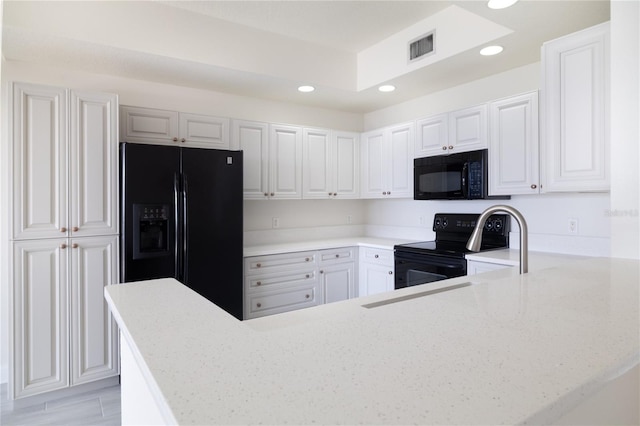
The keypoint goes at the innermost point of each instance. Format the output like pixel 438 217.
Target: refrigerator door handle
pixel 185 228
pixel 176 222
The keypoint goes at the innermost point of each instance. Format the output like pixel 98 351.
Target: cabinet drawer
pixel 376 256
pixel 340 255
pixel 260 264
pixel 273 302
pixel 263 282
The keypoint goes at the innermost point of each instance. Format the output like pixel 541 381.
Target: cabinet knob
pixel 63 229
pixel 307 296
pixel 307 276
pixel 335 194
pixel 534 186
pixel 63 246
pixel 450 146
pixel 175 139
pixel 259 305
pixel 321 271
pixel 183 140
pixel 390 272
pixel 266 194
pixel 306 259
pixel 388 192
pixel 330 194
pixel 272 194
pixel 74 245
pixel 258 265
pixel 444 148
pixel 75 229
pixel 376 256
pixel 259 283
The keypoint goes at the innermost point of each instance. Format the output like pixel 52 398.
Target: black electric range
pixel 428 261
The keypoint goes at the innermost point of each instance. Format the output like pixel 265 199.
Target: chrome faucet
pixel 476 237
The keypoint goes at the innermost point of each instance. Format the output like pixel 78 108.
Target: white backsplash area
pixel 547 217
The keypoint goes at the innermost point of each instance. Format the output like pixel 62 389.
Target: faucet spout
pixel 476 237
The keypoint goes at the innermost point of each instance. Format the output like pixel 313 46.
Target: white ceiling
pixel 344 27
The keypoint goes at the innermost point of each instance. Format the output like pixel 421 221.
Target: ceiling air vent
pixel 421 47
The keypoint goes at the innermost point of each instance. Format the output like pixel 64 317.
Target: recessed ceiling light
pixel 491 50
pixel 500 4
pixel 387 88
pixel 306 89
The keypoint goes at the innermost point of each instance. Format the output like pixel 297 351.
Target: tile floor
pixel 100 407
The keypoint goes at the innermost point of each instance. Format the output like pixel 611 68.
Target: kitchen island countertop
pixel 505 349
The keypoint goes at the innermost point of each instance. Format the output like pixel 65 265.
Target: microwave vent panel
pixel 421 47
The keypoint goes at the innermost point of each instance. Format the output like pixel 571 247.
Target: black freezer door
pixel 213 262
pixel 148 211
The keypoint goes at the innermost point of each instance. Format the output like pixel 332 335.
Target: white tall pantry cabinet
pixel 64 232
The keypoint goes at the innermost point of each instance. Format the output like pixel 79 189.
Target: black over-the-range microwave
pixel 460 176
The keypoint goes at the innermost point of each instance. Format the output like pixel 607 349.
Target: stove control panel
pixel 464 223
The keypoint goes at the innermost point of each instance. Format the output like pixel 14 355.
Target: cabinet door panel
pixel 285 148
pixel 204 131
pixel 252 139
pixel 39 174
pixel 40 317
pixel 94 348
pixel 347 165
pixel 513 146
pixel 468 129
pixel 317 165
pixel 373 169
pixel 432 136
pixel 338 282
pixel 401 142
pixel 94 164
pixel 375 279
pixel 148 125
pixel 576 107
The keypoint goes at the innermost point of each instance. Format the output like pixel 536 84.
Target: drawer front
pixel 376 256
pixel 263 282
pixel 274 302
pixel 261 264
pixel 345 254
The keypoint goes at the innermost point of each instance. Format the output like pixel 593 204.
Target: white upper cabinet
pixel 457 131
pixel 147 125
pixel 253 139
pixel 387 162
pixel 285 162
pixel 40 154
pixel 513 145
pixel 272 159
pixel 94 164
pixel 575 111
pixel 330 164
pixel 468 129
pixel 432 135
pixel 64 166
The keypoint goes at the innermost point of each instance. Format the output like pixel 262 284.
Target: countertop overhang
pixel 506 349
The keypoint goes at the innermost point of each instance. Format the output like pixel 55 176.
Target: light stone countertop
pixel 537 259
pixel 507 349
pixel 267 249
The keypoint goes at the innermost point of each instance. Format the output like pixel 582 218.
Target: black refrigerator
pixel 181 217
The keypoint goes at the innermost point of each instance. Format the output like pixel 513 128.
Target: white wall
pixel 625 129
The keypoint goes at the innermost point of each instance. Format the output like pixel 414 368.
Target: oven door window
pixel 412 269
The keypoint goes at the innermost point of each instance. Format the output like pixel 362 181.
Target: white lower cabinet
pixel 476 267
pixel 289 281
pixel 63 333
pixel 376 271
pixel 337 273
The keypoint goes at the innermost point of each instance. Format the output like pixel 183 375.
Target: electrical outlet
pixel 573 225
pixel 275 222
pixel 422 220
pixel 349 219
